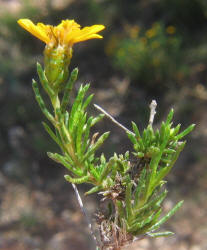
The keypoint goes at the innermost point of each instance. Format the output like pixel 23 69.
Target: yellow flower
pixel 67 33
pixel 134 31
pixel 150 33
pixel 171 30
pixel 59 41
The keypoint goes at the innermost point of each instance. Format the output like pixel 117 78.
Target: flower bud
pixel 56 63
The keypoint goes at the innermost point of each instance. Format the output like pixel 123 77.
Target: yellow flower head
pixel 150 33
pixel 59 41
pixel 171 30
pixel 67 33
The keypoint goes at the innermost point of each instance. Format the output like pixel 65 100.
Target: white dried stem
pixel 152 106
pixel 85 214
pixel 112 119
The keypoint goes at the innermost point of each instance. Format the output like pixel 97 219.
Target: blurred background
pixel 155 49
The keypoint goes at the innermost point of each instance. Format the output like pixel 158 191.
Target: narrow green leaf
pixel 41 102
pixel 87 133
pixel 160 234
pixel 106 170
pixel 169 151
pixel 140 225
pixel 68 88
pixel 148 220
pixel 77 110
pixel 97 119
pixel 65 135
pixel 44 81
pixel 95 146
pixel 169 117
pixel 144 227
pixel 139 188
pixel 102 159
pixel 166 160
pixel 164 171
pixel 140 155
pixel 126 155
pixel 58 134
pixel 87 101
pixel 93 171
pixel 157 157
pixel 59 115
pixel 75 122
pixel 133 228
pixel 94 190
pixel 145 137
pixel 128 200
pixel 132 138
pixel 185 132
pixel 174 131
pixel 52 134
pixel 136 130
pixel 162 132
pixel 153 204
pixel 154 165
pixel 121 209
pixel 62 160
pixel 149 136
pixel 76 180
pixel 167 216
pixel 152 150
pixel 76 107
pixel 79 135
pixel 156 217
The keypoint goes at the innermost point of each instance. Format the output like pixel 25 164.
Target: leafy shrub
pixel 150 56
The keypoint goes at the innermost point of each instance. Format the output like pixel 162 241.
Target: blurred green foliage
pixel 153 56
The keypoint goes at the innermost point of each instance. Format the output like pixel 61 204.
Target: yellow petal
pixel 86 37
pixel 85 34
pixel 93 29
pixel 35 30
pixel 69 24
